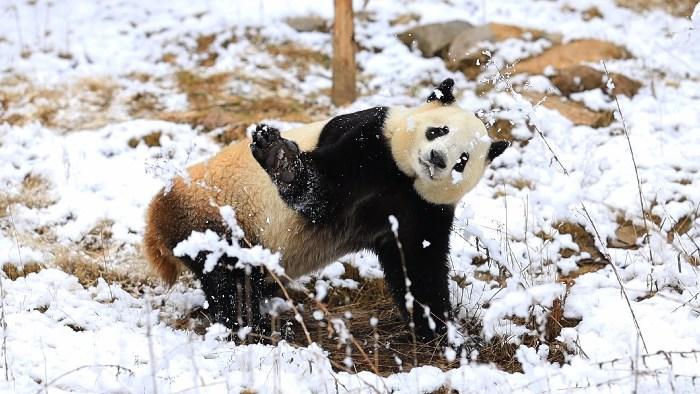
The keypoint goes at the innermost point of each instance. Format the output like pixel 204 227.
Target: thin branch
pixel 617 276
pixel 634 162
pixel 119 368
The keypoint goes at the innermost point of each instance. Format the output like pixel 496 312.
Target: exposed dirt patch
pixel 576 112
pixel 388 347
pixel 680 227
pixel 626 235
pixel 580 78
pixel 373 299
pixel 501 130
pixel 582 238
pixel 571 54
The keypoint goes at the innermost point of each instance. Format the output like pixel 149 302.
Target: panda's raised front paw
pixel 278 156
pixel 263 138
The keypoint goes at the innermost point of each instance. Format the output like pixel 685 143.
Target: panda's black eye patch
pixel 435 132
pixel 463 159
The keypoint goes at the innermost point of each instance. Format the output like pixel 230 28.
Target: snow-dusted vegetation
pixel 575 263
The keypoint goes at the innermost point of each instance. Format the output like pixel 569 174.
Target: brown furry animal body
pixel 232 177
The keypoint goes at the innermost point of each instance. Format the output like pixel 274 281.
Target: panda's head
pixel 443 147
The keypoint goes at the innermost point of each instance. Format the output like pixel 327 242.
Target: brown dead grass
pixel 213 106
pixel 683 8
pixel 80 104
pixel 294 55
pixel 151 139
pixel 373 299
pixel 13 272
pixel 33 193
pixel 88 267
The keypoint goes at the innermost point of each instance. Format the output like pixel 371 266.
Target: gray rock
pixel 465 43
pixel 434 37
pixel 308 23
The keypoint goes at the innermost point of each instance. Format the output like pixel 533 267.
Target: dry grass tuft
pixel 372 299
pixel 151 139
pixel 393 349
pixel 74 105
pixel 86 270
pixel 13 272
pixel 33 193
pixel 293 55
pixel 213 106
pixel 682 8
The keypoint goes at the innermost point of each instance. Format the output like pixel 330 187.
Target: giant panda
pixel 383 179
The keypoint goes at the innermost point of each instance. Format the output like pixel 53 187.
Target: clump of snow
pixel 217 246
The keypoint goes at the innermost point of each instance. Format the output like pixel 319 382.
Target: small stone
pixel 306 24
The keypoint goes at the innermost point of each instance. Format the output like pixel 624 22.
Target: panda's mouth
pixel 429 168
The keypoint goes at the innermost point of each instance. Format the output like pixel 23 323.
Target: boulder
pixel 571 54
pixel 576 112
pixel 579 78
pixel 434 37
pixel 308 23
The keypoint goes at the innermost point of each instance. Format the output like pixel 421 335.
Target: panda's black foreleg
pixel 427 273
pixel 293 172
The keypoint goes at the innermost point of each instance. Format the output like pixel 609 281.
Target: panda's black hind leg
pixel 233 294
pixel 278 156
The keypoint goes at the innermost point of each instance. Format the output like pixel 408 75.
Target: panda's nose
pixel 437 159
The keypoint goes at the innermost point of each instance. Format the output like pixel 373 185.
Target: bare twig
pixel 407 283
pixel 606 255
pixel 151 351
pixel 3 322
pixel 119 368
pixel 634 162
pixel 297 315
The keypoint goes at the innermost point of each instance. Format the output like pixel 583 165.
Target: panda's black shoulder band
pixel 443 92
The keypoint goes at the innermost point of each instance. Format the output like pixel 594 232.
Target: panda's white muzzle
pixel 433 163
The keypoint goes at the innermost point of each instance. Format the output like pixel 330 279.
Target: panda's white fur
pixel 405 128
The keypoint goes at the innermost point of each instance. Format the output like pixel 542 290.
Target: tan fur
pixel 233 177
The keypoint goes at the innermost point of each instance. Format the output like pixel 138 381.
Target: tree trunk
pixel 343 91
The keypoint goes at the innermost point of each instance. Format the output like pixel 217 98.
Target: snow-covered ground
pixel 70 173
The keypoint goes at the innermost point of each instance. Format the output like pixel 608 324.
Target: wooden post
pixel 343 91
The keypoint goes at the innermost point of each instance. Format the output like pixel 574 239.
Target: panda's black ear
pixel 495 150
pixel 443 93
